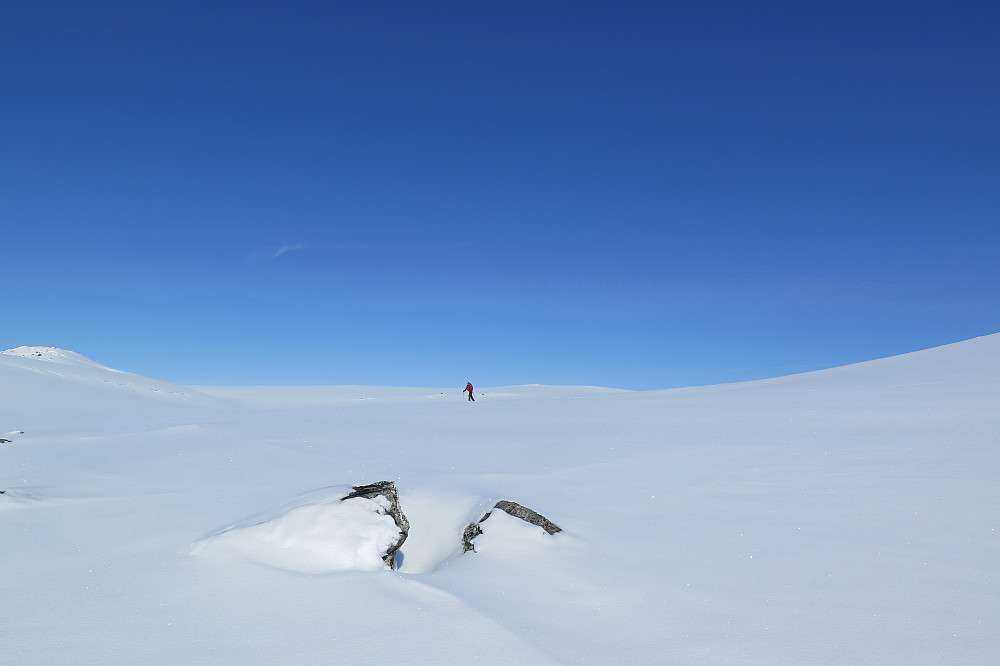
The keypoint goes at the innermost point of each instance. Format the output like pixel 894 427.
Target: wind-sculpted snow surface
pixel 344 528
pixel 318 533
pixel 845 516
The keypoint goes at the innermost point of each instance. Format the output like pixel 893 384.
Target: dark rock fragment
pixel 386 489
pixel 472 530
pixel 526 514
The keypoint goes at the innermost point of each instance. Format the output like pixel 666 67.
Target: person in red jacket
pixel 468 387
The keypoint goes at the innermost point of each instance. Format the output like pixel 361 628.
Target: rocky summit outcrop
pixel 472 530
pixel 386 489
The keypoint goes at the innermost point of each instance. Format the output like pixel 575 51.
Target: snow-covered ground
pixel 843 516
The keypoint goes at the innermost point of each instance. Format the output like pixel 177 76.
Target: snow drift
pixel 316 533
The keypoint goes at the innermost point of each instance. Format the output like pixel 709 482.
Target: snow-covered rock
pixel 328 530
pixel 473 530
pixel 385 494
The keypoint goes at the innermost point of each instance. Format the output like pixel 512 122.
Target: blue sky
pixel 636 194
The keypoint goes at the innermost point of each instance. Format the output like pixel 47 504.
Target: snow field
pixel 845 516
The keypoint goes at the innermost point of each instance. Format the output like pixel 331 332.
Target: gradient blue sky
pixel 630 194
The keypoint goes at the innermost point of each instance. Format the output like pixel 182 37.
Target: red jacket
pixel 468 387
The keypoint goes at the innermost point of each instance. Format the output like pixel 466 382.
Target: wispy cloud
pixel 357 249
pixel 284 249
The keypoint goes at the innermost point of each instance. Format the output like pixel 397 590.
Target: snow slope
pixel 843 516
pixel 49 387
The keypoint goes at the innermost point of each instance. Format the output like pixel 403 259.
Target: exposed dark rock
pixel 526 514
pixel 386 489
pixel 472 530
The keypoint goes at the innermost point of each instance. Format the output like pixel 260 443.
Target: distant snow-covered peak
pixel 46 383
pixel 55 355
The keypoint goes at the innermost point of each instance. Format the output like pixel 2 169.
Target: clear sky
pixel 630 194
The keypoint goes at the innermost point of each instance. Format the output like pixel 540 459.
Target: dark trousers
pixel 470 397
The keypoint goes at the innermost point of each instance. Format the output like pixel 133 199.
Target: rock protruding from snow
pixel 386 489
pixel 472 530
pixel 316 533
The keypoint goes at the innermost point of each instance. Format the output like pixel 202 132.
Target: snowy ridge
pixel 50 384
pixel 55 355
pixel 974 360
pixel 970 360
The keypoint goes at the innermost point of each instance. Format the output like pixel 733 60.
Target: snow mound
pixel 315 534
pixel 509 537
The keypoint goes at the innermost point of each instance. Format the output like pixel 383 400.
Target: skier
pixel 468 387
